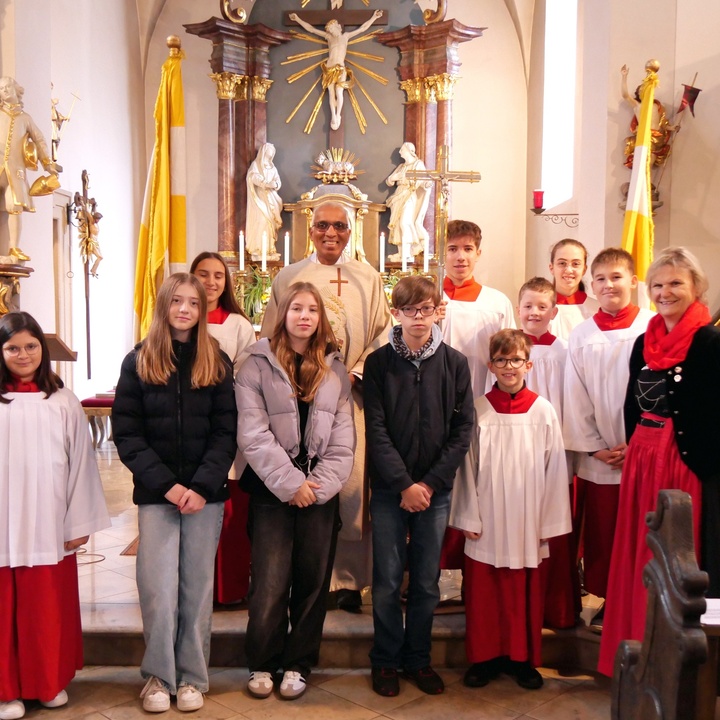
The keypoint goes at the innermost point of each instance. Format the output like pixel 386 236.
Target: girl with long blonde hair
pixel 296 431
pixel 174 421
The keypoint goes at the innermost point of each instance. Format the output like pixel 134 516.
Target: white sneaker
pixel 58 701
pixel 12 710
pixel 155 696
pixel 293 685
pixel 260 684
pixel 189 698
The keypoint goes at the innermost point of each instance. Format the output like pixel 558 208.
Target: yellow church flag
pixel 639 228
pixel 162 240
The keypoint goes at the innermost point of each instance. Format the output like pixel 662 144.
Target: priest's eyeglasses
pixel 32 348
pixel 324 226
pixel 514 363
pixel 411 312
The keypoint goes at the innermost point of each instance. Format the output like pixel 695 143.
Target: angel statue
pixel 336 78
pixel 408 205
pixel 264 204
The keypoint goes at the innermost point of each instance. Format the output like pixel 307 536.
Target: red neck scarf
pixel 623 320
pixel 507 404
pixel 467 292
pixel 663 349
pixel 577 298
pixel 545 339
pixel 19 386
pixel 217 316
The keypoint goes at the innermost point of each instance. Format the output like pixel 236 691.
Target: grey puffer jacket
pixel 269 425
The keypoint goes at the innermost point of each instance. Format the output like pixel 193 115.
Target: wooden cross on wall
pixel 442 176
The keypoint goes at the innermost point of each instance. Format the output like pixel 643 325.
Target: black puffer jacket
pixel 167 434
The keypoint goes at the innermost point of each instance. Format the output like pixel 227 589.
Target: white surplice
pixel 596 378
pixel 50 489
pixel 468 327
pixel 570 316
pixel 512 486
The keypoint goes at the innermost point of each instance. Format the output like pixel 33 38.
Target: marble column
pixel 240 63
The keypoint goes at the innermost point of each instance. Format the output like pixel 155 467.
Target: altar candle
pixel 426 255
pixel 287 248
pixel 403 251
pixel 241 250
pixel 264 252
pixel 538 199
pixel 382 252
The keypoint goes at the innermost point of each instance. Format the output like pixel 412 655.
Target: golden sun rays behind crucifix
pixel 337 71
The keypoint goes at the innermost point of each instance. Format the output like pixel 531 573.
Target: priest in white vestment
pixel 359 314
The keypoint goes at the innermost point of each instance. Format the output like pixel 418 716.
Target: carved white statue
pixel 17 134
pixel 264 204
pixel 408 205
pixel 335 76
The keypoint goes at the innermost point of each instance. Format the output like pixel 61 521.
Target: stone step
pixel 112 635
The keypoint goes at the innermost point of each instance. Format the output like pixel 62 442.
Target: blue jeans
pixel 175 572
pixel 394 646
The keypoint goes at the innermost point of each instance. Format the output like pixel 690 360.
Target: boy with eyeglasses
pixel 537 308
pixel 418 420
pixel 357 308
pixel 510 497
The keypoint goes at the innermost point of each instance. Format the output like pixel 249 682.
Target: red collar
pixel 545 339
pixel 623 320
pixel 507 404
pixel 20 386
pixel 467 292
pixel 217 316
pixel 577 298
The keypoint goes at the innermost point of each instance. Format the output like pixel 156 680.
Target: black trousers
pixel 292 553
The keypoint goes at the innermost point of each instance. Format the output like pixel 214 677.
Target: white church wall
pixel 490 135
pixel 682 36
pixel 96 55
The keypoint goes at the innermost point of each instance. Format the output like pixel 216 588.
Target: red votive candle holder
pixel 538 199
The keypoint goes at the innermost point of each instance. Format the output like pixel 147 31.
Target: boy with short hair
pixel 596 378
pixel 474 312
pixel 536 309
pixel 510 497
pixel 418 420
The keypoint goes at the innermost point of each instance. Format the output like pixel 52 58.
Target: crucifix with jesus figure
pixel 442 177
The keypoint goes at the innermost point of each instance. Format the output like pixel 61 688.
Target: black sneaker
pixel 349 601
pixel 527 676
pixel 427 680
pixel 385 681
pixel 480 674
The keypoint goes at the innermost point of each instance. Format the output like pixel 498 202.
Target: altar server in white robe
pixel 358 311
pixel 51 501
pixel 509 498
pixel 536 310
pixel 568 265
pixel 473 314
pixel 596 378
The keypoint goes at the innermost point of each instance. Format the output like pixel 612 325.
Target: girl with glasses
pixel 51 500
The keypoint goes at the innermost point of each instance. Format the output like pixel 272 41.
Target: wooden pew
pixel 658 678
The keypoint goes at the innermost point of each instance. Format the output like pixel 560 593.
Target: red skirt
pixel 232 562
pixel 652 463
pixel 40 632
pixel 504 613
